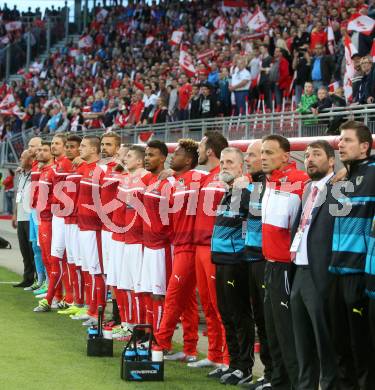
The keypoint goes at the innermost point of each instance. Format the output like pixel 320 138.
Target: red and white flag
pixel 220 22
pixel 350 50
pixel 176 37
pixel 186 62
pixel 362 24
pixel 13 26
pixel 330 38
pixel 220 33
pixel 208 53
pixel 332 87
pixel 373 51
pixel 8 102
pixel 249 37
pixel 257 21
pixel 101 15
pixel 235 3
pixel 86 42
pixel 204 31
pixel 149 40
pixel 243 20
pixel 74 53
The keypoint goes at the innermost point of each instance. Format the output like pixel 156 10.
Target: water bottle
pixel 129 354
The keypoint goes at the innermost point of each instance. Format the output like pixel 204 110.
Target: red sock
pixel 67 282
pixel 139 308
pixel 54 285
pixel 87 287
pixel 120 303
pixel 149 309
pixel 77 282
pixel 100 292
pixel 158 308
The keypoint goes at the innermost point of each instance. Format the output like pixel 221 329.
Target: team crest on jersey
pixel 181 180
pixel 91 173
pixel 283 179
pixel 358 180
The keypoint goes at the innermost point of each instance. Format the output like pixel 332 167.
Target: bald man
pixel 40 286
pixel 254 256
pixel 21 217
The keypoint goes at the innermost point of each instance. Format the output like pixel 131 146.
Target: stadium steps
pixel 55 48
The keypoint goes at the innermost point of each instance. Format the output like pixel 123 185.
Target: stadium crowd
pixel 145 64
pixel 288 253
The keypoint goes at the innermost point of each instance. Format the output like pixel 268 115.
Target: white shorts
pixel 115 263
pixel 72 243
pixel 154 271
pixel 130 278
pixel 106 245
pixel 89 251
pixel 58 237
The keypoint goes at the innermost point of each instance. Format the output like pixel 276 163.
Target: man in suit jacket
pixel 311 253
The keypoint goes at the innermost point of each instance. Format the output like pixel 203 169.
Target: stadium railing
pixel 288 124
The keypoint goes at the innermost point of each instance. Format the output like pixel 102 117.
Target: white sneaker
pixel 91 321
pixel 180 357
pixel 54 304
pixel 82 316
pixel 41 296
pixel 203 363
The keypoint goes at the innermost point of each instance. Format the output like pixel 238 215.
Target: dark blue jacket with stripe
pixel 370 263
pixel 352 228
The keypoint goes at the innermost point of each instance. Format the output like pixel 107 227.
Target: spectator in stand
pixel 366 91
pixel 214 76
pixel 149 100
pixel 41 123
pixel 302 38
pixel 324 101
pixel 264 82
pixel 195 103
pixel 240 85
pixel 184 93
pixel 110 113
pixel 8 184
pixel 173 100
pixel 55 120
pixel 209 104
pixel 161 111
pixel 308 99
pixel 322 68
pixel 357 77
pixel 318 36
pixel 301 65
pixel 163 91
pixel 225 104
pixel 136 108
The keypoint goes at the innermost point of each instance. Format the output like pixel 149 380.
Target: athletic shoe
pixel 203 363
pixel 70 310
pixel 33 287
pixel 54 304
pixel 23 284
pixel 260 384
pixel 236 377
pixel 119 333
pixel 41 296
pixel 180 357
pixel 81 315
pixel 43 306
pixel 217 373
pixel 92 321
pixel 43 289
pixel 62 305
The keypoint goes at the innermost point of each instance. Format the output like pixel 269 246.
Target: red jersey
pixel 184 93
pixel 157 230
pixel 60 169
pixel 210 196
pixel 88 201
pixel 183 202
pixel 35 174
pixel 108 189
pixel 119 216
pixel 71 189
pixel 131 191
pixel 45 193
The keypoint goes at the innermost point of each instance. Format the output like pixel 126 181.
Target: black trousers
pixel 256 286
pixel 232 290
pixel 26 251
pixel 279 327
pixel 314 347
pixel 351 334
pixel 372 321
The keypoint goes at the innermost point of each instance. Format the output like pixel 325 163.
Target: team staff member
pixel 43 208
pixel 89 224
pixel 280 204
pixel 349 304
pixel 180 299
pixel 312 282
pixel 21 217
pixel 255 259
pixel 228 253
pixel 370 271
pixel 210 196
pixel 157 257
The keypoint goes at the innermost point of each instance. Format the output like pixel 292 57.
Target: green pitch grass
pixel 48 351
